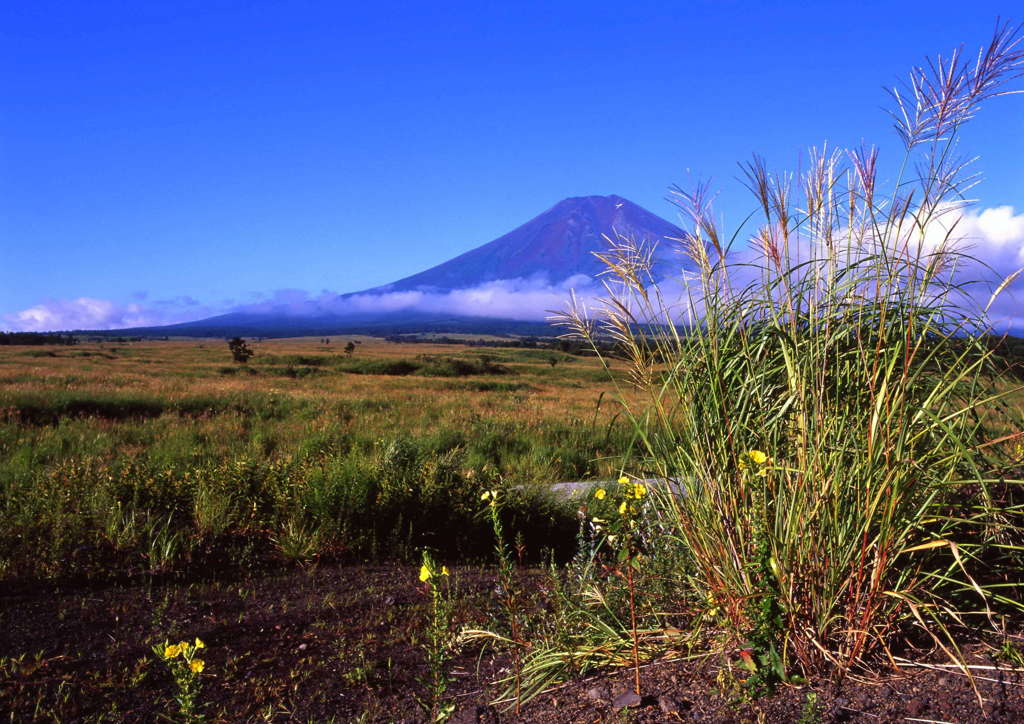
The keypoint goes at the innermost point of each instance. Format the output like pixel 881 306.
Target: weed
pixel 811 712
pixel 298 541
pixel 508 592
pixel 187 670
pixel 440 642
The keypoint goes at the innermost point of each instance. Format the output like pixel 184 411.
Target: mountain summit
pixel 556 245
pixel 505 286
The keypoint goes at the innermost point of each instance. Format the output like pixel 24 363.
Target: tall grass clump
pixel 824 400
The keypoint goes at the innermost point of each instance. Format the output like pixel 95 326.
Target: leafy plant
pixel 440 641
pixel 187 670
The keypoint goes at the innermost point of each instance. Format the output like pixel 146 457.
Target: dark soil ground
pixel 343 643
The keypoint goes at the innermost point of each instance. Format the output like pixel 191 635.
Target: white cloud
pixel 994 237
pixel 90 313
pixel 522 299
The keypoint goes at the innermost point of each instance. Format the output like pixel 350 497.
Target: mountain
pixel 474 292
pixel 556 245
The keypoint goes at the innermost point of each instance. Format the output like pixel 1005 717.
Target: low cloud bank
pixel 520 299
pixel 994 236
pixel 89 313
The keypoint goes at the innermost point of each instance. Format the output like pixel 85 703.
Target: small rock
pixel 486 715
pixel 625 700
pixel 597 693
pixel 303 647
pixel 668 705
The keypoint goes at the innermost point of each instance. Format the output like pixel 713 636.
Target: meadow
pixel 150 453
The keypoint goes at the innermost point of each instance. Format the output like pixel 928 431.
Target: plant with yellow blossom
pixel 186 668
pixel 622 534
pixel 509 592
pixel 440 642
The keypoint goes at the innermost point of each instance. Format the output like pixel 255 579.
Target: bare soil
pixel 343 643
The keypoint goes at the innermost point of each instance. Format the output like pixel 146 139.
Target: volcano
pixel 474 292
pixel 557 245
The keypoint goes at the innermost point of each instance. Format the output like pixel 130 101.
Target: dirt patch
pixel 343 643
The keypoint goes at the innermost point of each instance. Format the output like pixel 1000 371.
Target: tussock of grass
pixel 831 407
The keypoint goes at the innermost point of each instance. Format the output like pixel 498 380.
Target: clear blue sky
pixel 218 148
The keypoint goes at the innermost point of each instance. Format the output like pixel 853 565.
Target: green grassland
pixel 157 453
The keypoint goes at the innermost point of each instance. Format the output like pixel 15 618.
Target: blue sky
pixel 169 160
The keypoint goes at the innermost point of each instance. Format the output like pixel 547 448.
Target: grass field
pixel 151 453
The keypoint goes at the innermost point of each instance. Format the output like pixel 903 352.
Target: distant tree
pixel 240 351
pixel 350 348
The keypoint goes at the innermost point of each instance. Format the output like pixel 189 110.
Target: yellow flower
pixel 425 573
pixel 172 651
pixel 624 480
pixel 755 458
pixel 599 493
pixel 197 666
pixel 623 508
pixel 639 490
pixel 486 495
pixel 758 457
pixel 200 644
pixel 444 570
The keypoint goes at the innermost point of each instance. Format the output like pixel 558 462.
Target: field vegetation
pixel 157 453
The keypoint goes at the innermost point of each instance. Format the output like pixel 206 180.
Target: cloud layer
pixel 995 236
pixel 90 313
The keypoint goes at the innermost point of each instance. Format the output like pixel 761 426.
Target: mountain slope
pixel 556 245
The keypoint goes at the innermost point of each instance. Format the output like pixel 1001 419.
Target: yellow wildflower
pixel 425 573
pixel 712 605
pixel 755 458
pixel 624 480
pixel 200 644
pixel 444 570
pixel 197 666
pixel 172 651
pixel 639 490
pixel 758 457
pixel 623 508
pixel 599 493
